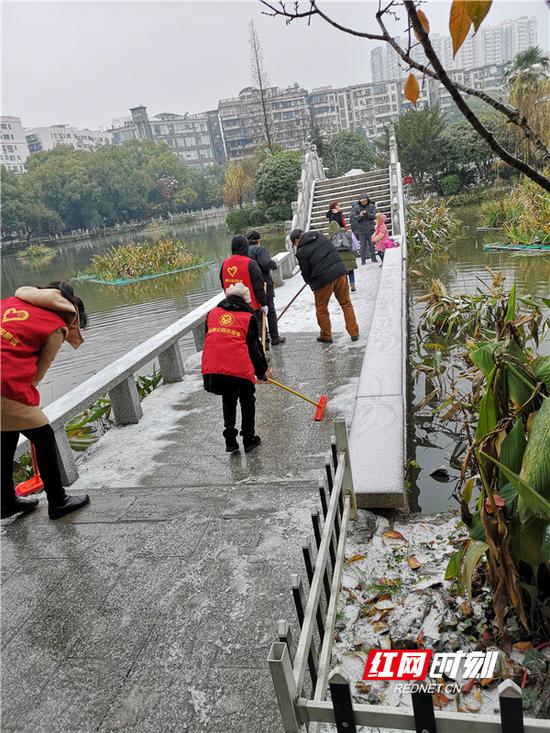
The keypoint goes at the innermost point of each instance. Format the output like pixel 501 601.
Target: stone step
pixel 383 197
pixel 319 213
pixel 379 173
pixel 355 191
pixel 350 195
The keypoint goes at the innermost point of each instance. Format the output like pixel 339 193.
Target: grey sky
pixel 86 63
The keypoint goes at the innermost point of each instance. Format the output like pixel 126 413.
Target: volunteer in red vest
pixel 232 358
pixel 35 323
pixel 240 268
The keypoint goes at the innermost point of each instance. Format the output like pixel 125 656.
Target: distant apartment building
pixel 14 150
pixel 243 122
pixel 46 138
pixel 195 138
pixel 492 45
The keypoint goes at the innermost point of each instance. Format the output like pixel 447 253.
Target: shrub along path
pixel 153 609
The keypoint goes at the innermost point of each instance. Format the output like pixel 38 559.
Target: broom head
pixel 321 407
pixel 32 486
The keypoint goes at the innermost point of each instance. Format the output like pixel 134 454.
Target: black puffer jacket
pixel 261 256
pixel 362 217
pixel 319 262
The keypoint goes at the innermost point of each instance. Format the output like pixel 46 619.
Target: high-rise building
pixel 491 45
pixel 14 148
pixel 46 138
pixel 195 138
pixel 243 120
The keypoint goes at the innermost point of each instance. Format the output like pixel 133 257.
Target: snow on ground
pixel 394 596
pixel 118 458
pixel 301 314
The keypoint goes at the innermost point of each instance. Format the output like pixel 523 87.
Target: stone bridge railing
pixel 312 170
pixel 118 380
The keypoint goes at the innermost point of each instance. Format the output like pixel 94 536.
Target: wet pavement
pixel 153 609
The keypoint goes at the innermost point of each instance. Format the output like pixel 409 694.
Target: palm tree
pixel 531 63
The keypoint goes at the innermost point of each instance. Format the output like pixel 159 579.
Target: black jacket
pixel 260 255
pixel 319 262
pixel 339 217
pixel 256 277
pixel 219 383
pixel 363 224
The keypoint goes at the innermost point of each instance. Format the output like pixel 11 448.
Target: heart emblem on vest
pixel 12 314
pixel 232 270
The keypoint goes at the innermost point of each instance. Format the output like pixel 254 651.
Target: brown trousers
pixel 340 288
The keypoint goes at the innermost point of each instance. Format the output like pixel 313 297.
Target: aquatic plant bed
pixel 496 247
pixel 131 263
pixel 131 280
pixel 395 596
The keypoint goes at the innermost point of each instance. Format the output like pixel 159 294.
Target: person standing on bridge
pixel 239 268
pixel 258 253
pixel 232 358
pixel 363 214
pixel 35 323
pixel 325 273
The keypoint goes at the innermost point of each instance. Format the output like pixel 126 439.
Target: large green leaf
pixel 512 450
pixel 545 547
pixel 511 306
pixel 535 469
pixel 530 502
pixel 453 566
pixel 477 532
pixel 541 370
pixel 487 409
pixel 472 555
pixel 483 358
pixel 520 384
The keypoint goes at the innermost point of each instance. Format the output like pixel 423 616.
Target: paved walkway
pixel 153 609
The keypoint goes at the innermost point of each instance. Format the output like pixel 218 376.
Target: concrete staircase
pixel 346 190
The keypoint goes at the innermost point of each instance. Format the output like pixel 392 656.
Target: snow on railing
pixel 118 379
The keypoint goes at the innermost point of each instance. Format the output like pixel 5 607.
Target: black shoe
pixel 70 504
pixel 250 445
pixel 355 338
pixel 353 288
pixel 18 506
pixel 363 262
pixel 324 341
pixel 232 447
pixel 278 340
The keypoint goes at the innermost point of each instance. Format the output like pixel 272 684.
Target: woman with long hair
pixel 36 321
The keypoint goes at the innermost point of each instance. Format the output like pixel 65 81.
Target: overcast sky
pixel 85 63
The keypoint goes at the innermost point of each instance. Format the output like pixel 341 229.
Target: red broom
pixel 34 484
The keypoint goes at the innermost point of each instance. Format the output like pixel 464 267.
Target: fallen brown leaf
pixel 355 558
pixel 413 562
pixel 523 646
pixel 467 686
pixel 393 534
pixel 362 687
pixel 441 700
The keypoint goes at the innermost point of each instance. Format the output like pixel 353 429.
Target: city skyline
pixel 155 79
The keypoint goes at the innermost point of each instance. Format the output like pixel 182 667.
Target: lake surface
pixel 461 271
pixel 122 317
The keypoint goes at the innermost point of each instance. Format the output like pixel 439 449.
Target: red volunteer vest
pixel 25 329
pixel 225 348
pixel 235 269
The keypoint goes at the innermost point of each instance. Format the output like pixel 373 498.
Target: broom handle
pixel 292 391
pixel 33 459
pixel 281 314
pixel 263 322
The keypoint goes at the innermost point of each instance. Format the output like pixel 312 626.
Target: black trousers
pixel 43 440
pixel 243 391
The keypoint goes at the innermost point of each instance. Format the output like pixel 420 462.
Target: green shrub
pixel 277 178
pixel 249 216
pixel 450 184
pixel 279 212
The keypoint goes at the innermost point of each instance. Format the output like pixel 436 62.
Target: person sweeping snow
pixel 232 358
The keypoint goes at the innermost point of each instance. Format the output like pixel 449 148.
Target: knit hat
pixel 253 236
pixel 240 291
pixel 295 234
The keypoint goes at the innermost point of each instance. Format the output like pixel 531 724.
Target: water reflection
pixel 463 269
pixel 121 317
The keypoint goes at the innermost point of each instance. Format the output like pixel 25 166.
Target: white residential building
pixel 14 149
pixel 493 44
pixel 46 138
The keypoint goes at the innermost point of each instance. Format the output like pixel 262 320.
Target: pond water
pixel 121 317
pixel 461 271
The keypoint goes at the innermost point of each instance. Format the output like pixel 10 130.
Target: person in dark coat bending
pixel 325 273
pixel 258 253
pixel 232 358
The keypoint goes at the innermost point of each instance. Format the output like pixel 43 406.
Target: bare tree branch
pixel 513 115
pixel 475 122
